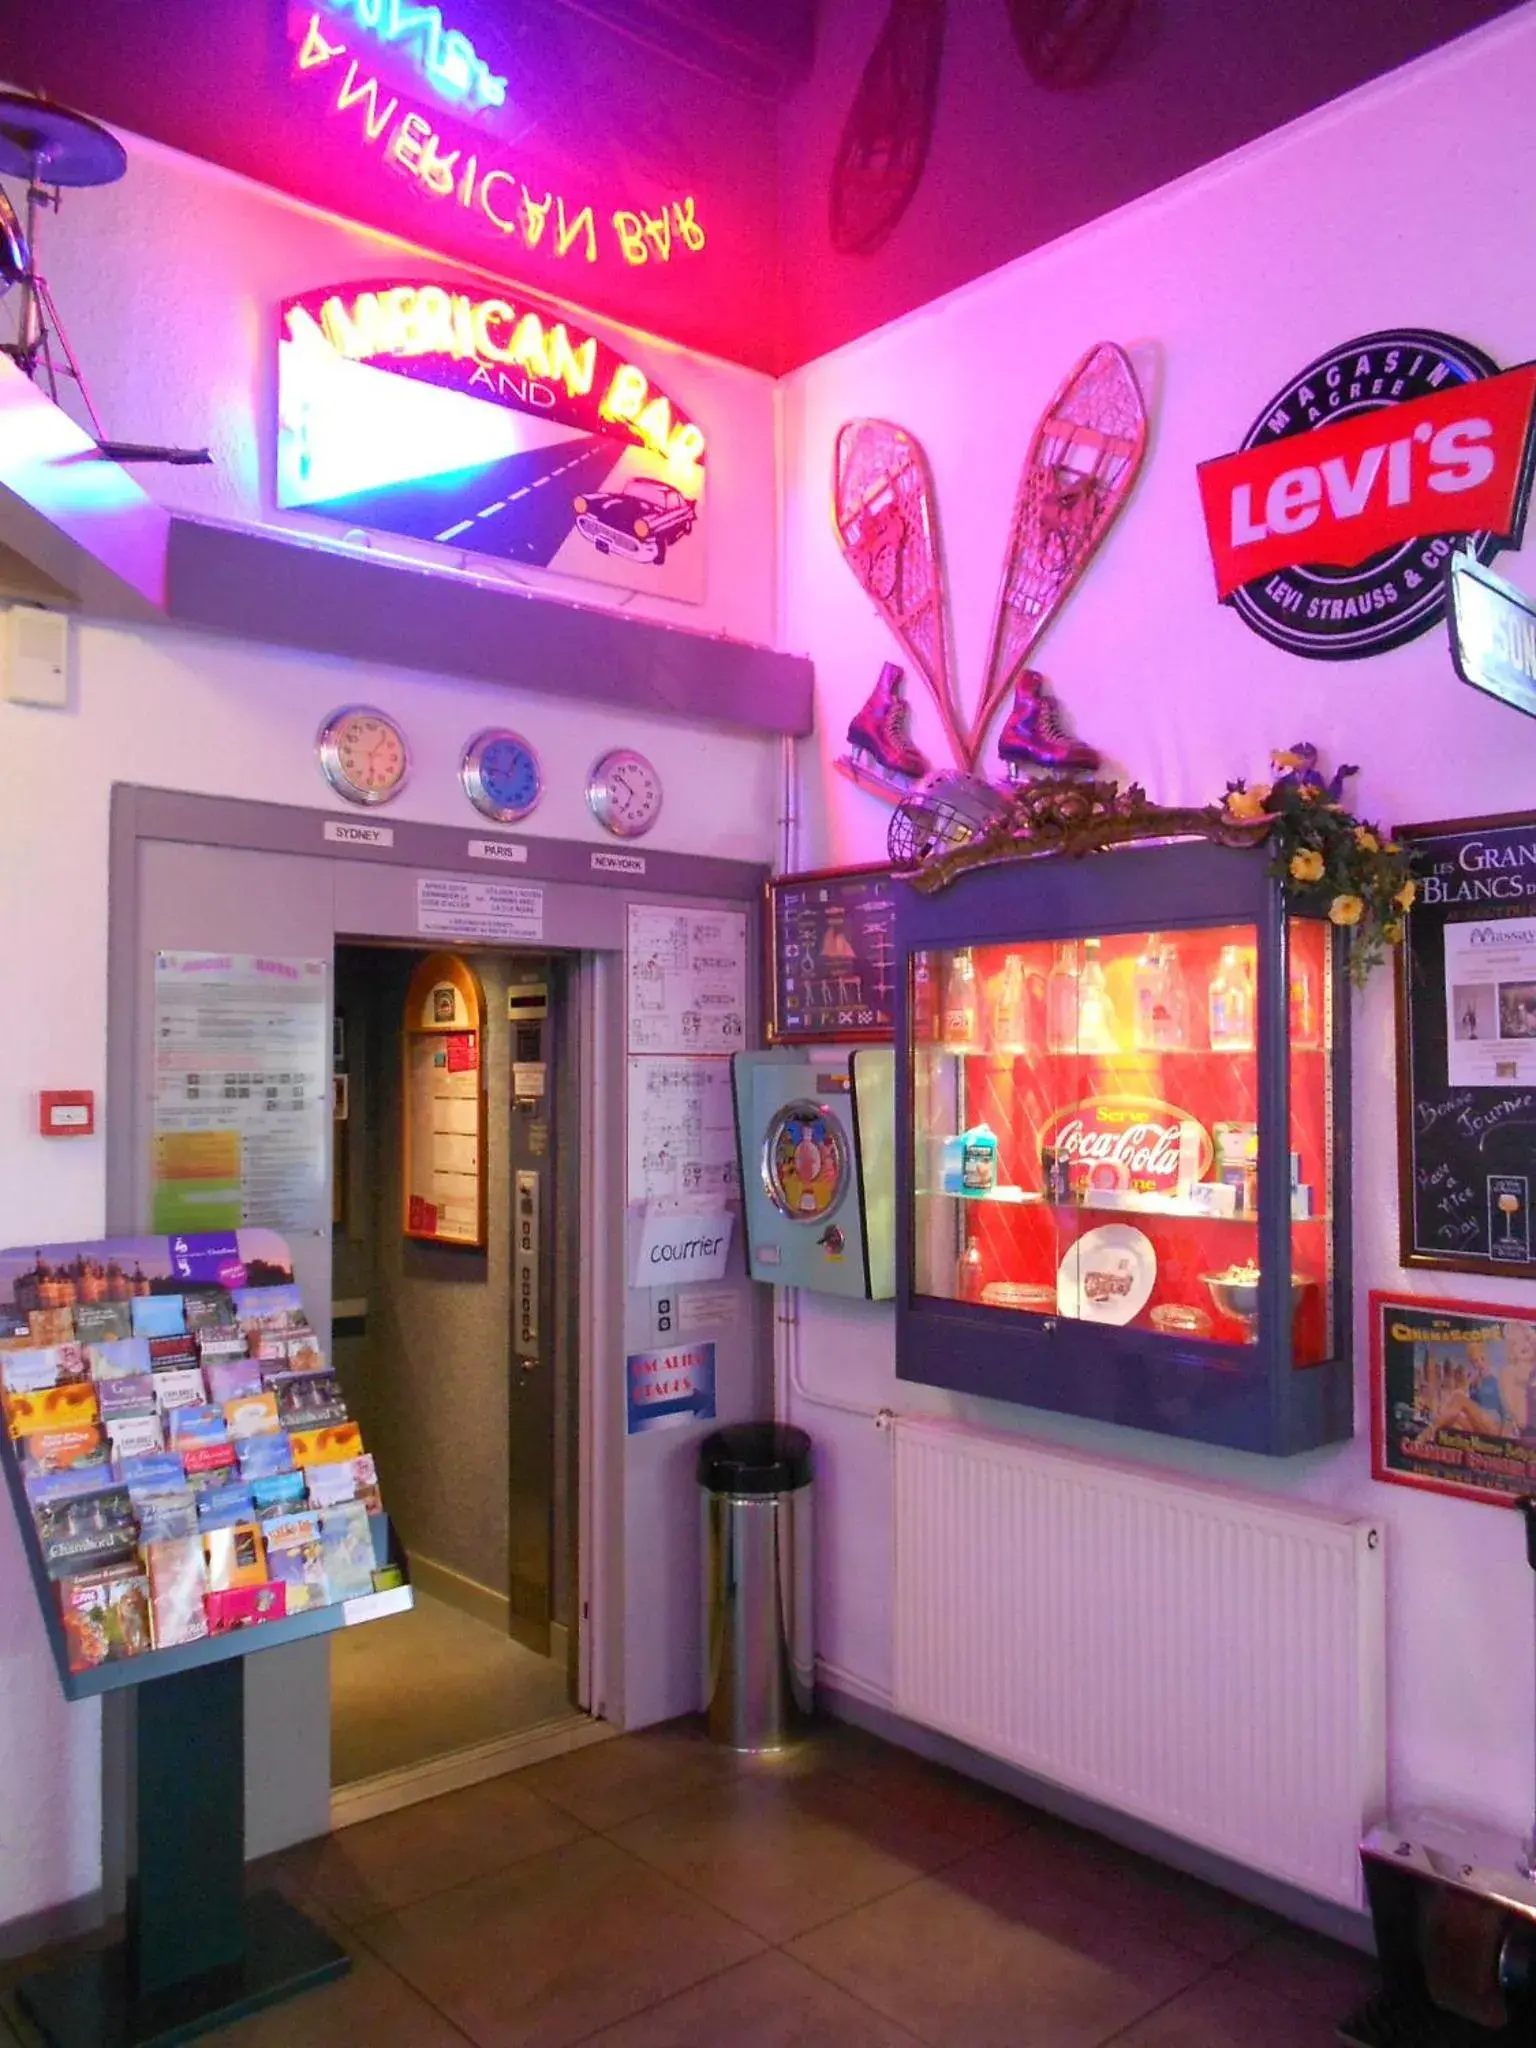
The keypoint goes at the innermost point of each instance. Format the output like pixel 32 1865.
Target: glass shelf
pixel 1132 1205
pixel 1120 1056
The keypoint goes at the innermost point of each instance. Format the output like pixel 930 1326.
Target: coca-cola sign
pixel 1132 1142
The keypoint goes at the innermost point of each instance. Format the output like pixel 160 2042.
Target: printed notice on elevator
pixel 242 1105
pixel 449 909
pixel 687 980
pixel 682 1131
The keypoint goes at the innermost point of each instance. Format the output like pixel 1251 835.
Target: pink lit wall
pixel 169 283
pixel 1401 205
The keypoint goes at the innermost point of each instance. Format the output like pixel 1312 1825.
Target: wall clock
pixel 501 775
pixel 624 793
pixel 363 755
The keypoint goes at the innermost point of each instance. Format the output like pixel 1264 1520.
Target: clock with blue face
pixel 501 775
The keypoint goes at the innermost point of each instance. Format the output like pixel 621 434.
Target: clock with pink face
pixel 363 754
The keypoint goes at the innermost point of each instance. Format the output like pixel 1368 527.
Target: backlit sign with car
pixel 489 423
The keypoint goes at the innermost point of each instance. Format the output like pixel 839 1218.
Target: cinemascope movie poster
pixel 1453 1392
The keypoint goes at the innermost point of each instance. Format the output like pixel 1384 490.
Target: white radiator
pixel 1207 1660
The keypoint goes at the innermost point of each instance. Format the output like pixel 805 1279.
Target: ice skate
pixel 1035 735
pixel 881 755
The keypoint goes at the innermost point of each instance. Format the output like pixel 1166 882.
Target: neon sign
pixel 459 336
pixel 446 58
pixel 462 416
pixel 490 191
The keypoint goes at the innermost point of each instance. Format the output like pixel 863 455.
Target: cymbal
pixel 53 146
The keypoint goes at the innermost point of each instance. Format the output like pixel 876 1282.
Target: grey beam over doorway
pixel 268 587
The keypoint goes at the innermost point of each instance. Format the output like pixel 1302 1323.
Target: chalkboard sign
pixel 1467 1048
pixel 832 956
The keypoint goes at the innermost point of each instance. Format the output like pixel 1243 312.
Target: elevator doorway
pixel 459 1357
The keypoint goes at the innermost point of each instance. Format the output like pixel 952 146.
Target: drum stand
pixel 39 328
pixel 51 147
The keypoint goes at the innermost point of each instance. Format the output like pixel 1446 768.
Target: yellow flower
pixel 1366 839
pixel 1309 792
pixel 1285 759
pixel 1404 897
pixel 1393 932
pixel 1306 866
pixel 1247 803
pixel 1346 910
pixel 1390 846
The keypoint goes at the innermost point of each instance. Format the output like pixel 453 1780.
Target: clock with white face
pixel 363 755
pixel 624 793
pixel 501 775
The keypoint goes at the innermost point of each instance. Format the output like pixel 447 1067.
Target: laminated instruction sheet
pixel 242 1093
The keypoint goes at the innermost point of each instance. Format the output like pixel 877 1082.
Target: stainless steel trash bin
pixel 760 1658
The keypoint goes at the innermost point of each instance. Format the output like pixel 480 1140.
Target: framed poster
pixel 444 1104
pixel 1466 992
pixel 832 956
pixel 1453 1397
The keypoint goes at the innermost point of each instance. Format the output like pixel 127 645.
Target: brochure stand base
pixel 89 2003
pixel 198 1953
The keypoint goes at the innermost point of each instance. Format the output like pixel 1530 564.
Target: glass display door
pixel 1086 1130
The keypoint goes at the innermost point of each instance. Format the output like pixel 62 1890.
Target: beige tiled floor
pixel 655 1892
pixel 426 1683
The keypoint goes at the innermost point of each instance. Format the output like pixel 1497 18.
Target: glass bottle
pixel 968 1272
pixel 1010 1029
pixel 1231 1002
pixel 1303 1006
pixel 1095 1011
pixel 1061 999
pixel 1161 1020
pixel 962 1005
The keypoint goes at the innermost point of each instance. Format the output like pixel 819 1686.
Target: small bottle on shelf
pixel 1161 1021
pixel 1010 1028
pixel 968 1273
pixel 962 1004
pixel 1303 1006
pixel 1061 999
pixel 1095 1011
pixel 1231 1003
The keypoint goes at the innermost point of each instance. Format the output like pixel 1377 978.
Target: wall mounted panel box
pixel 817 1138
pixel 1120 1136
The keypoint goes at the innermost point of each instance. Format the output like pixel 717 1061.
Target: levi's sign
pixel 1331 527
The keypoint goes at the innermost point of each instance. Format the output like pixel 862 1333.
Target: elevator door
pixel 544 1202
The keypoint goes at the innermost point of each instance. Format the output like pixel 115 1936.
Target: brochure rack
pixel 198 1954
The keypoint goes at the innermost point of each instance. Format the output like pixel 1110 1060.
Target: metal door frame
pixel 592 886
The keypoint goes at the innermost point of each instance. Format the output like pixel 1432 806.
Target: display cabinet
pixel 1123 1116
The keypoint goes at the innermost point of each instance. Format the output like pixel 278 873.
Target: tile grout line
pixel 705 1976
pixel 415 1991
pixel 441 1891
pixel 822 1978
pixel 1214 1970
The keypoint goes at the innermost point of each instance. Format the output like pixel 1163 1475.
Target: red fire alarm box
pixel 66 1112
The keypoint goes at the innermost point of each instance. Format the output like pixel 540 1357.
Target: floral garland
pixel 1327 857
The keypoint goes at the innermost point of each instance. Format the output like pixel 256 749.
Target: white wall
pixel 168 283
pixel 1403 205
